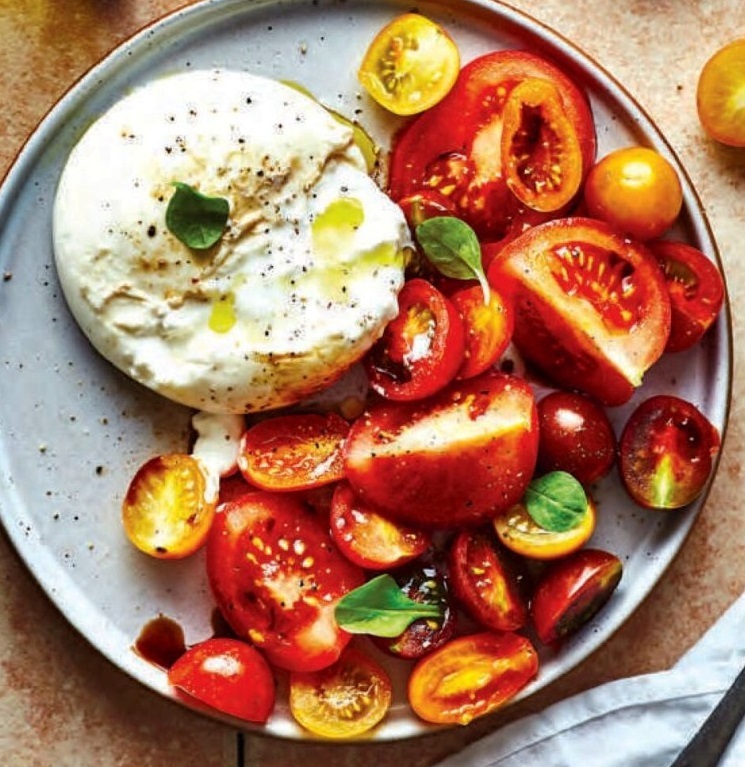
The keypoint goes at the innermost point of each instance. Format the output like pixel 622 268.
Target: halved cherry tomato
pixel 592 309
pixel 343 700
pixel 471 676
pixel 488 328
pixel 720 94
pixel 572 591
pixel 520 533
pixel 576 436
pixel 636 190
pixel 485 580
pixel 410 65
pixel 457 148
pixel 666 452
pixel 368 539
pixel 276 576
pixel 167 509
pixel 696 291
pixel 421 349
pixel 228 675
pixel 454 459
pixel 293 452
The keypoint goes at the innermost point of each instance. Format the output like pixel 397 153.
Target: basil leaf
pixel 556 501
pixel 380 608
pixel 194 218
pixel 453 248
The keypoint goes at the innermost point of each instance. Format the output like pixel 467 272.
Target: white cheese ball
pixel 303 280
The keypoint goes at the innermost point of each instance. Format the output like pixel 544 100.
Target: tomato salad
pixel 451 520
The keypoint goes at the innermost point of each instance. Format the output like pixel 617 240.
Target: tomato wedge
pixel 293 452
pixel 422 349
pixel 592 309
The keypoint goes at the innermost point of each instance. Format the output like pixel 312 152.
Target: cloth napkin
pixel 643 721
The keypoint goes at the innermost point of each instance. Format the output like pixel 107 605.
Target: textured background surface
pixel 62 704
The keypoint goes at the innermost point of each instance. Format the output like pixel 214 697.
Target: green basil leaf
pixel 380 608
pixel 194 218
pixel 556 501
pixel 453 248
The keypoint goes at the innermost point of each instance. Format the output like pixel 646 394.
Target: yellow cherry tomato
pixel 411 65
pixel 720 94
pixel 519 533
pixel 167 512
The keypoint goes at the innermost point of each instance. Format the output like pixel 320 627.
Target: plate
pixel 73 430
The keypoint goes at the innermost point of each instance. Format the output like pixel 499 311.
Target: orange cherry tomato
pixel 343 700
pixel 471 676
pixel 293 452
pixel 720 94
pixel 636 190
pixel 167 511
pixel 410 65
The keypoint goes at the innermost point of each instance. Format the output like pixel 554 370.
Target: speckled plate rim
pixel 129 63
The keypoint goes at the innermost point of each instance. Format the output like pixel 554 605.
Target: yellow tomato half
pixel 720 94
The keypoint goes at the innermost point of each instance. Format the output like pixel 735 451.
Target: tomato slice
pixel 227 675
pixel 471 676
pixel 720 94
pixel 168 509
pixel 410 65
pixel 696 291
pixel 369 539
pixel 293 452
pixel 344 700
pixel 421 349
pixel 666 452
pixel 276 576
pixel 454 459
pixel 592 309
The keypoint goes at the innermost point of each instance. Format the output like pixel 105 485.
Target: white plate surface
pixel 73 430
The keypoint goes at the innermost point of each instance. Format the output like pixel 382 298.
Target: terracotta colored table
pixel 62 704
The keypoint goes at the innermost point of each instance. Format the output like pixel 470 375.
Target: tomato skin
pixel 228 675
pixel 293 452
pixel 592 309
pixel 576 436
pixel 485 580
pixel 572 591
pixel 666 452
pixel 471 676
pixel 453 459
pixel 276 577
pixel 421 350
pixel 636 190
pixel 719 94
pixel 696 291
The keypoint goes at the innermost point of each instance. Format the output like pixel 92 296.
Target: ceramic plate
pixel 73 430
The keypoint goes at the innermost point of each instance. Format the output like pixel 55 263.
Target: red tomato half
pixel 454 459
pixel 591 307
pixel 422 349
pixel 276 576
pixel 228 675
pixel 696 291
pixel 505 153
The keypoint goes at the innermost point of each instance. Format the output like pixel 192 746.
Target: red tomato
pixel 488 328
pixel 591 307
pixel 368 539
pixel 571 592
pixel 485 581
pixel 454 459
pixel 471 676
pixel 576 436
pixel 488 131
pixel 696 291
pixel 421 350
pixel 293 452
pixel 277 576
pixel 228 675
pixel 666 452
